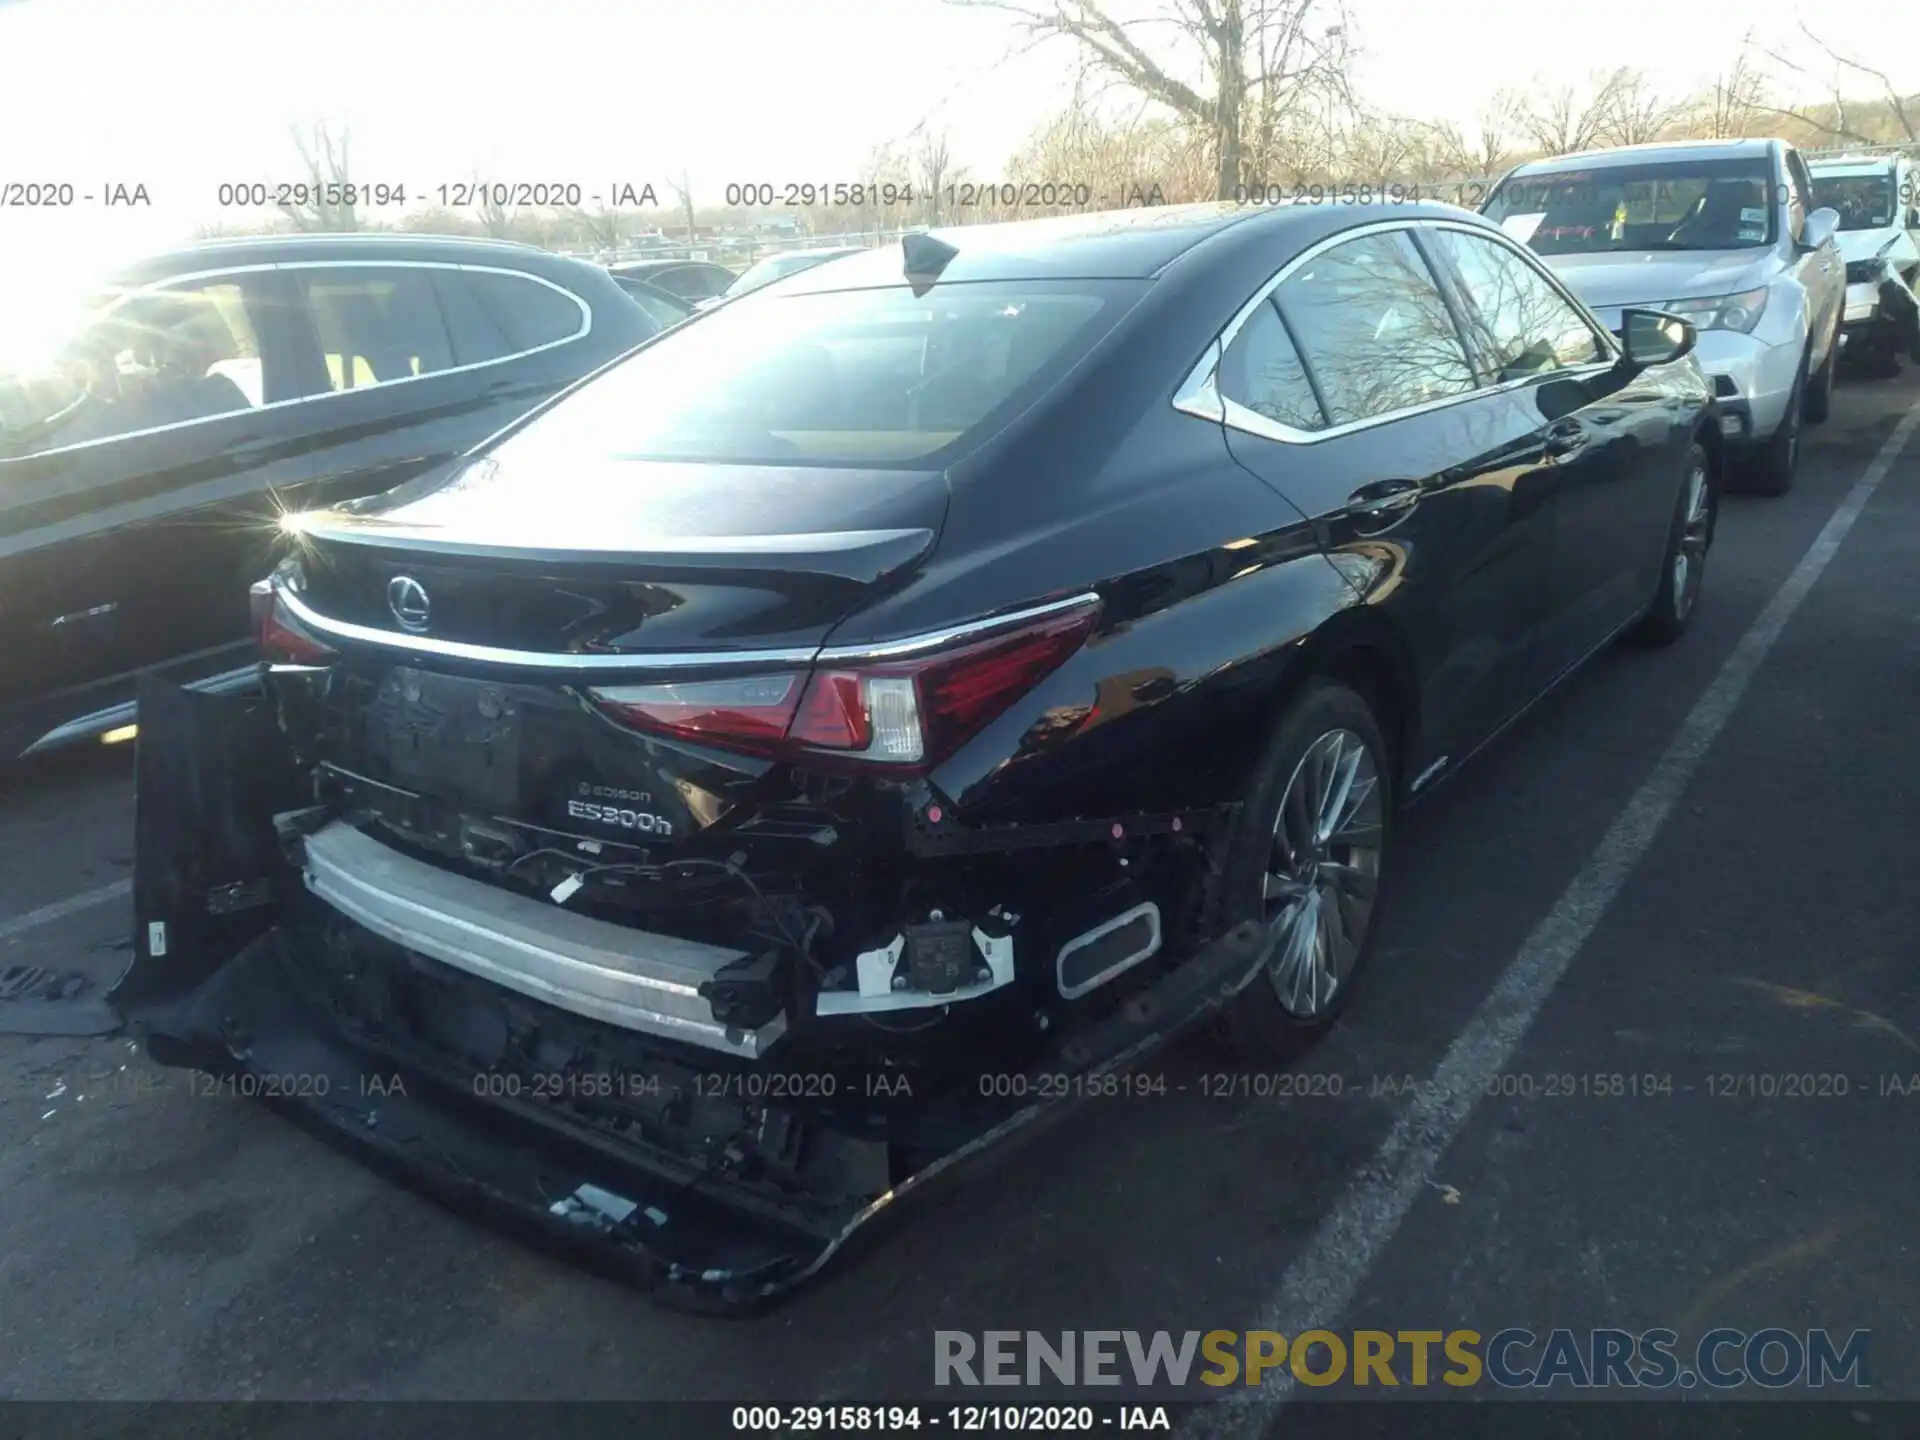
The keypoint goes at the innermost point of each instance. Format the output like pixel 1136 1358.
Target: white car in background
pixel 1723 232
pixel 1879 210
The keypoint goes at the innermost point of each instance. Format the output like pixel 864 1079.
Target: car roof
pixel 1134 243
pixel 1744 149
pixel 1855 164
pixel 239 250
pixel 654 267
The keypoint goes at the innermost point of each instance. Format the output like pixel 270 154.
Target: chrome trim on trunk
pixel 675 659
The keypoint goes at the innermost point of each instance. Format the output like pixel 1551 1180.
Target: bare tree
pixel 1839 119
pixel 599 227
pixel 1632 112
pixel 493 213
pixel 683 192
pixel 1736 100
pixel 933 170
pixel 1479 152
pixel 1620 108
pixel 1262 61
pixel 328 180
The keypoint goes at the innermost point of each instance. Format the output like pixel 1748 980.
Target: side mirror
pixel 1653 337
pixel 1913 217
pixel 1820 228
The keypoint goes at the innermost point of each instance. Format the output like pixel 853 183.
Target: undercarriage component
pixel 923 966
pixel 625 977
pixel 1108 950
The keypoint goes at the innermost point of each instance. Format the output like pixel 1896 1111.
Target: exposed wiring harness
pixel 817 916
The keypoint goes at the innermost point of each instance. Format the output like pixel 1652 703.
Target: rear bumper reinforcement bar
pixel 612 973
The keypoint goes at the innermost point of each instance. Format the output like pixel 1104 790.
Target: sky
pixel 184 95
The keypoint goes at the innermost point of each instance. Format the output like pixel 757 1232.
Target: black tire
pixel 1882 360
pixel 1690 538
pixel 1818 403
pixel 1772 467
pixel 1259 1021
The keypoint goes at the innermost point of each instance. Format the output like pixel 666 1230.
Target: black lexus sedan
pixel 810 752
pixel 202 393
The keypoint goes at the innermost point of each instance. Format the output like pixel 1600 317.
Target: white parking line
pixel 1318 1287
pixel 60 909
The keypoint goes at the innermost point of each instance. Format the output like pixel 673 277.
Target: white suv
pixel 1723 232
pixel 1880 243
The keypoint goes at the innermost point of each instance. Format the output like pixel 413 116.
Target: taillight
pixel 281 638
pixel 912 712
pixel 751 713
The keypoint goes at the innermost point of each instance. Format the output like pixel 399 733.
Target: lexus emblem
pixel 407 599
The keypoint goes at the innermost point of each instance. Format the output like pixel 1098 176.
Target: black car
pixel 664 307
pixel 787 763
pixel 691 280
pixel 208 390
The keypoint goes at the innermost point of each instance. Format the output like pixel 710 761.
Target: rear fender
pixel 211 773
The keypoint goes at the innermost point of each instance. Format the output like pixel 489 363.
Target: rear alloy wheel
pixel 1819 401
pixel 1308 862
pixel 1776 461
pixel 1685 565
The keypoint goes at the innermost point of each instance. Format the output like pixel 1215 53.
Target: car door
pixel 1347 387
pixel 1610 454
pixel 108 519
pixel 1821 270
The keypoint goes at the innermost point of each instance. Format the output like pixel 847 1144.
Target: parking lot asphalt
pixel 1706 854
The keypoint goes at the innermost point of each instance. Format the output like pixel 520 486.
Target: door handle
pixel 1386 501
pixel 1564 438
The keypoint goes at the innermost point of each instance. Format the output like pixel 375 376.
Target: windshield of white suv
pixel 1670 205
pixel 1865 202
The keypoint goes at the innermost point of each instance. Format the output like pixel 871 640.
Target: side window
pixel 160 357
pixel 1373 328
pixel 375 324
pixel 1799 195
pixel 1518 323
pixel 492 315
pixel 1261 370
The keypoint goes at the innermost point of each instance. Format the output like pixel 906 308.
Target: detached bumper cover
pixel 600 1193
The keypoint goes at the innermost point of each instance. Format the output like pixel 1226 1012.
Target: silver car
pixel 1723 232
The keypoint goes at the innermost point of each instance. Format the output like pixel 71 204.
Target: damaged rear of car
pixel 867 721
pixel 656 831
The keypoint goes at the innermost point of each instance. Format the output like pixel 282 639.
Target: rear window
pixel 1670 205
pixel 861 377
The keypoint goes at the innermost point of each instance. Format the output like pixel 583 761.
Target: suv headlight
pixel 1723 312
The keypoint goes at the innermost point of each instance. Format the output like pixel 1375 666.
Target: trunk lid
pixel 613 555
pixel 478 614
